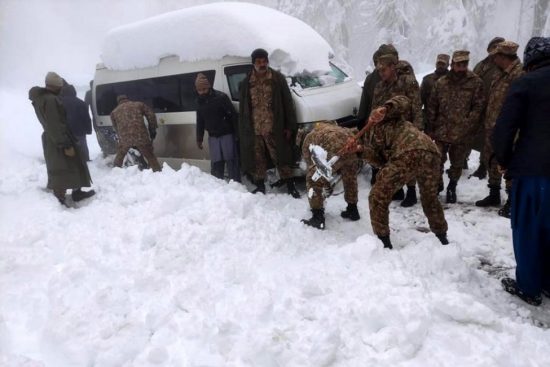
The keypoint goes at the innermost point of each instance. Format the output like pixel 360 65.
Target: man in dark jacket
pixel 78 118
pixel 428 82
pixel 66 168
pixel 267 123
pixel 216 114
pixel 521 144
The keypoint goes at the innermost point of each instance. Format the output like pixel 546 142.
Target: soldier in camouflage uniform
pixel 402 152
pixel 398 79
pixel 127 120
pixel 428 82
pixel 332 138
pixel 487 71
pixel 506 59
pixel 454 112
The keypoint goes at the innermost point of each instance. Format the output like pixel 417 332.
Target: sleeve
pixel 424 91
pixel 56 126
pixel 150 116
pixel 433 107
pixel 372 153
pixel 413 92
pixel 508 122
pixel 288 106
pixel 478 105
pixel 200 126
pixel 114 121
pixel 230 112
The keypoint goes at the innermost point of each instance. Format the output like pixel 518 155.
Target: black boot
pixel 493 199
pixel 481 172
pixel 451 192
pixel 465 165
pixel 410 199
pixel 351 213
pixel 78 194
pixel 291 187
pixel 260 187
pixel 510 285
pixel 386 241
pixel 374 172
pixel 317 220
pixel 442 238
pixel 440 187
pixel 399 195
pixel 506 210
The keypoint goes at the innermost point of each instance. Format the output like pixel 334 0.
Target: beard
pixel 260 69
pixel 460 74
pixel 440 70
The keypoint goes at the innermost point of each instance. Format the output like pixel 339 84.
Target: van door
pixel 234 75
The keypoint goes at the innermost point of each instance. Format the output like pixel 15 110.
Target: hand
pixel 153 133
pixel 199 145
pixel 287 134
pixel 501 169
pixel 69 152
pixel 378 114
pixel 350 145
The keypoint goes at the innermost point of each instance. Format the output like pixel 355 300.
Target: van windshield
pixel 335 76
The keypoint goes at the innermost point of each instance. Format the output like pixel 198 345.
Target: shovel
pixel 323 168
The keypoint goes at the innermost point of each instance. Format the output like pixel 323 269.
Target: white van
pixel 165 80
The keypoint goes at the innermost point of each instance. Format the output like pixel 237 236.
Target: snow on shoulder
pixel 216 30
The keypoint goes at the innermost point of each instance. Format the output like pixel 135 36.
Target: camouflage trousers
pixel 321 189
pixel 417 163
pixel 146 150
pixel 457 154
pixel 264 149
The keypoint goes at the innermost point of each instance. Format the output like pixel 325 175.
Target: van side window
pixel 173 93
pixel 235 75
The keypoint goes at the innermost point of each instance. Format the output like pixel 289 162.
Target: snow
pixel 216 30
pixel 181 269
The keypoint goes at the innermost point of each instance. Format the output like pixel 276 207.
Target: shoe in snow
pixel 492 200
pixel 442 238
pixel 506 210
pixel 260 187
pixel 410 199
pixel 78 195
pixel 291 187
pixel 351 213
pixel 317 220
pixel 510 285
pixel 399 195
pixel 386 241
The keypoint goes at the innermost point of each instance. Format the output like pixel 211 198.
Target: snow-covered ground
pixel 181 269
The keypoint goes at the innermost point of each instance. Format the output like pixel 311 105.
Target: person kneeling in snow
pixel 403 153
pixel 331 138
pixel 216 114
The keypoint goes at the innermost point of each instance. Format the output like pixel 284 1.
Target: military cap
pixel 494 42
pixel 398 106
pixel 506 48
pixel 444 58
pixel 388 50
pixel 121 98
pixel 386 60
pixel 54 80
pixel 461 55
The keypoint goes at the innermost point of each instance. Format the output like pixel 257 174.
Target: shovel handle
pixel 370 123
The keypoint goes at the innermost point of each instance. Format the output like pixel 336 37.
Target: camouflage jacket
pixel 404 85
pixel 128 122
pixel 261 95
pixel 454 109
pixel 487 71
pixel 332 138
pixel 394 137
pixel 499 88
pixel 427 86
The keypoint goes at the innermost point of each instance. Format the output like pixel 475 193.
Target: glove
pixel 153 133
pixel 69 152
pixel 199 145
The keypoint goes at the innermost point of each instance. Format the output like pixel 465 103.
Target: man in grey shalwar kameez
pixel 216 114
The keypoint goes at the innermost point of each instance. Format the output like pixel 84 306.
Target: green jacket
pixel 284 118
pixel 63 172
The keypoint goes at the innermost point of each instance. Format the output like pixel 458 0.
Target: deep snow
pixel 181 269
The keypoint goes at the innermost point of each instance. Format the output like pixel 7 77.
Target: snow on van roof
pixel 216 30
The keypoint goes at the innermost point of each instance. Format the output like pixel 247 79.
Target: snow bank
pixel 214 31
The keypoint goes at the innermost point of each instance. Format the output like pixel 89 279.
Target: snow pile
pixel 217 30
pixel 181 269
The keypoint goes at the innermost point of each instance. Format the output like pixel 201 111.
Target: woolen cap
pixel 388 49
pixel 493 42
pixel 461 55
pixel 121 98
pixel 506 48
pixel 386 60
pixel 259 53
pixel 202 81
pixel 54 80
pixel 444 58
